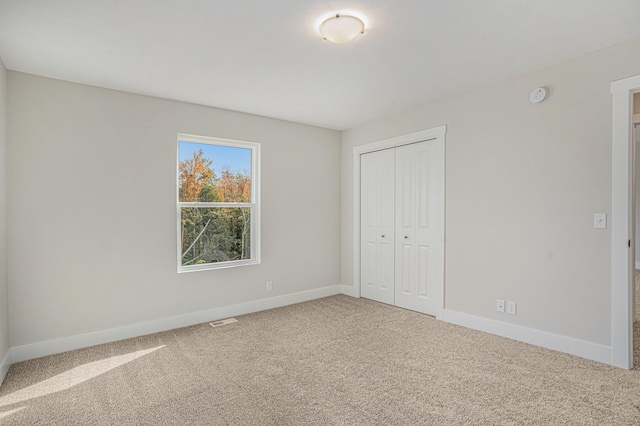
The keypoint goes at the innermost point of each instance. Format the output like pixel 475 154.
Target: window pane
pixel 215 234
pixel 213 173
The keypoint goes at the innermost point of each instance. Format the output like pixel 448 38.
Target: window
pixel 218 203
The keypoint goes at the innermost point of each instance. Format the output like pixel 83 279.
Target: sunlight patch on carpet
pixel 72 377
pixel 4 414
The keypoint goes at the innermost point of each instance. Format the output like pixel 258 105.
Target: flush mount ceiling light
pixel 341 28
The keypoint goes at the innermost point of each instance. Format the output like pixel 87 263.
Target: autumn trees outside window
pixel 218 210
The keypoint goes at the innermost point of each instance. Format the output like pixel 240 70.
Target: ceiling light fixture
pixel 341 28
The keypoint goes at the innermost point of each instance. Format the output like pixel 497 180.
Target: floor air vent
pixel 223 322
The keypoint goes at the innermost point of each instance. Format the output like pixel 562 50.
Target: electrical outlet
pixel 511 308
pixel 269 285
pixel 500 305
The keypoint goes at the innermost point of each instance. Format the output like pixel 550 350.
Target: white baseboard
pixel 4 365
pixel 637 265
pixel 50 347
pixel 556 342
pixel 349 290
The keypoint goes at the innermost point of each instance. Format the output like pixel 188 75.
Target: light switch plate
pixel 600 220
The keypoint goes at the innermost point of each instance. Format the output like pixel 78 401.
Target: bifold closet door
pixel 377 223
pixel 418 247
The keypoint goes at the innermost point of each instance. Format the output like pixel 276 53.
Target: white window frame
pixel 254 205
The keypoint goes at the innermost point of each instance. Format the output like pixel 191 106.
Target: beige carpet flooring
pixel 333 361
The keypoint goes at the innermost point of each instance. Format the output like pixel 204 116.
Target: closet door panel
pixel 385 272
pixel 405 275
pixel 406 203
pixel 423 183
pixel 378 225
pixel 414 191
pixel 405 188
pixel 367 226
pixel 368 273
pixel 385 214
pixel 424 270
pixel 424 194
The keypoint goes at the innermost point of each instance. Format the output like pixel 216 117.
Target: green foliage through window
pixel 215 234
pixel 215 200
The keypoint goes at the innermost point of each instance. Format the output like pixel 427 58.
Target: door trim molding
pixel 437 133
pixel 622 222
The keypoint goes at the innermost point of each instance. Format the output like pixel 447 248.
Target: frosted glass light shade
pixel 341 28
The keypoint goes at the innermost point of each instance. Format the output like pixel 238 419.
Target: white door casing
pixel 622 262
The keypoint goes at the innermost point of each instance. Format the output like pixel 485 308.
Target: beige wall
pixel 522 184
pixel 92 241
pixel 4 315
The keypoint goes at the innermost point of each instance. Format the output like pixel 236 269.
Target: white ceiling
pixel 264 57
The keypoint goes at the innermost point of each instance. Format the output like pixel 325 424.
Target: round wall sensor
pixel 538 95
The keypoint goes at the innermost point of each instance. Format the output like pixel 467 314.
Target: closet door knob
pixel 406 237
pixel 382 236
